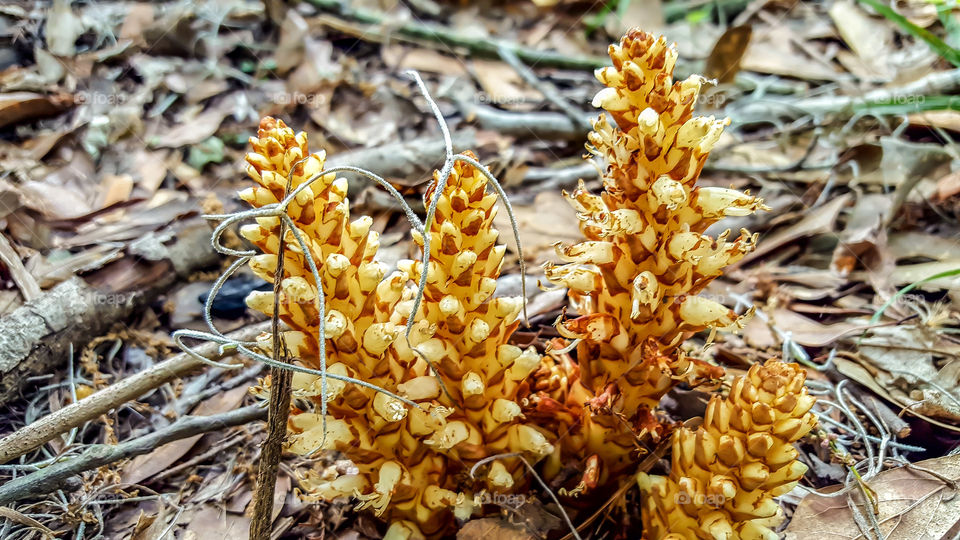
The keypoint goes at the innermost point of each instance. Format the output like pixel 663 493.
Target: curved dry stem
pixel 244 347
pixel 450 160
pixel 279 210
pixel 566 517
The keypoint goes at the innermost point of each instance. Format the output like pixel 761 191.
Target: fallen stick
pixel 558 126
pixel 36 337
pixel 545 125
pixel 403 160
pixel 553 179
pixel 278 409
pixel 485 47
pixel 765 110
pixel 549 92
pixel 51 478
pixel 76 414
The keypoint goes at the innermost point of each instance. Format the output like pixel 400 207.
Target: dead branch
pixel 551 178
pixel 411 159
pixel 488 48
pixel 558 126
pixel 51 478
pixel 941 82
pixel 545 125
pixel 548 90
pixel 279 406
pixel 37 336
pixel 27 438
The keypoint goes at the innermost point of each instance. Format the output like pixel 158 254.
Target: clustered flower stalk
pixel 411 464
pixel 726 473
pixel 635 281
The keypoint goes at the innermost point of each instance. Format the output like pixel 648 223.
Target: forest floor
pixel 122 122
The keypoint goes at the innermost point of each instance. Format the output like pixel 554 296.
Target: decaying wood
pixel 545 125
pixel 74 415
pixel 402 160
pixel 450 38
pixel 36 337
pixel 49 479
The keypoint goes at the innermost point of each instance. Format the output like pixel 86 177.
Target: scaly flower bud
pixel 635 278
pixel 726 474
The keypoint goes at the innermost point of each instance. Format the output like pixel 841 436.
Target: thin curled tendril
pixel 450 160
pixel 484 461
pixel 279 210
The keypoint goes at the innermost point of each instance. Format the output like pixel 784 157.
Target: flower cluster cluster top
pixel 411 464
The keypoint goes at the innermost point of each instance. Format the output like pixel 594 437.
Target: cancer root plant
pixel 410 374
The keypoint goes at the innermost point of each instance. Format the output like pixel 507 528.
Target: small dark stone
pixel 72 484
pixel 229 302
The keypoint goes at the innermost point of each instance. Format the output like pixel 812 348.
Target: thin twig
pixel 280 389
pixel 509 56
pixel 51 478
pixel 456 39
pixel 127 389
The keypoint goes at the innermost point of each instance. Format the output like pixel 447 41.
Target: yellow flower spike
pixel 740 470
pixel 634 279
pixel 393 468
pixel 411 463
pixel 466 332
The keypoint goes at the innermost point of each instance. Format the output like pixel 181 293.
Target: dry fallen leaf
pixel 14 266
pixel 723 64
pixel 771 51
pixel 905 274
pixel 492 529
pixel 62 29
pixel 810 333
pixel 199 128
pixel 869 38
pixel 13 516
pixel 143 467
pixel 855 371
pixel 151 526
pixel 502 84
pixel 214 523
pixel 401 58
pixel 913 505
pixel 19 107
pixel 816 221
pixel 863 242
pixel 949 120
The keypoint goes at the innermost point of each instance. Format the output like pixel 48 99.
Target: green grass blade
pixel 938 45
pixel 910 287
pixel 909 104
